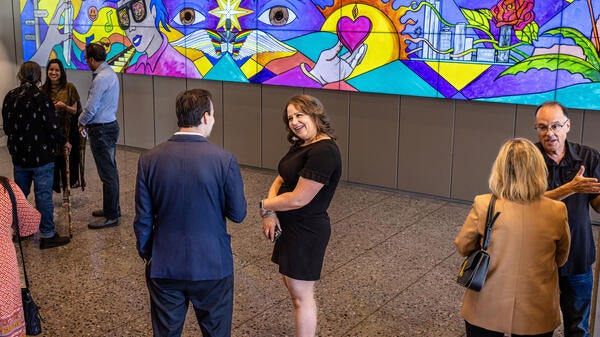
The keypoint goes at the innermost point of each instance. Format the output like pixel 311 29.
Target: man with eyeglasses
pixel 573 173
pixel 99 120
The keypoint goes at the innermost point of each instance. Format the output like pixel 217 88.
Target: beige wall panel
pixel 373 140
pixel 480 129
pixel 337 105
pixel 241 117
pixel 8 56
pixel 525 121
pixel 82 80
pixel 576 132
pixel 425 145
pixel 165 92
pixel 16 5
pixel 216 90
pixel 138 105
pixel 591 129
pixel 591 137
pixel 274 142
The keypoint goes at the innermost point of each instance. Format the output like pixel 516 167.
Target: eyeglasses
pixel 138 12
pixel 541 128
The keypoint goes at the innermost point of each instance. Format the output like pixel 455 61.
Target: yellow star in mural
pixel 229 10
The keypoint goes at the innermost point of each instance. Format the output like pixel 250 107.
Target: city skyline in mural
pixel 508 51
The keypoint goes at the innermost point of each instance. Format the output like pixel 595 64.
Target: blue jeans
pixel 103 139
pixel 575 303
pixel 42 177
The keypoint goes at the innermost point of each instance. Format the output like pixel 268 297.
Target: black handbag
pixel 31 311
pixel 473 270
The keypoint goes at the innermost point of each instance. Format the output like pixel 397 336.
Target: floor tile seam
pixel 393 297
pixel 375 245
pixel 357 211
pixel 133 319
pixel 251 318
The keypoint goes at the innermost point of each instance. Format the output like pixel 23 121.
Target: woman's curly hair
pixel 312 107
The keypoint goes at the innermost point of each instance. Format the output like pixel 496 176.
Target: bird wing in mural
pixel 255 42
pixel 199 40
pixel 245 43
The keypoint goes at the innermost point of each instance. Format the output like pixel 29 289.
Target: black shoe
pixel 98 213
pixel 54 241
pixel 103 223
pixel 23 238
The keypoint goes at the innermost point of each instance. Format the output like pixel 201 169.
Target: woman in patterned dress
pixel 12 322
pixel 68 108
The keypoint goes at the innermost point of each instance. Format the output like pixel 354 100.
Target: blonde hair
pixel 519 172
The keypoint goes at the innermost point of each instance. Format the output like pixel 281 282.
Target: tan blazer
pixel 529 242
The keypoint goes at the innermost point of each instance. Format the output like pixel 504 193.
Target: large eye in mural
pixel 277 16
pixel 189 16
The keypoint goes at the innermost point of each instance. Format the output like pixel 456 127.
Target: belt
pixel 91 125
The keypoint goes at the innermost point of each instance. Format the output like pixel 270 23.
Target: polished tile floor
pixel 389 268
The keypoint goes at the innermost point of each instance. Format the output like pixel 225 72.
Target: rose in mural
pixel 517 13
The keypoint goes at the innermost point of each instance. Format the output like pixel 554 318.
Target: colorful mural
pixel 511 51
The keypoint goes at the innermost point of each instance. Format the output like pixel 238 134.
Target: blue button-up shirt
pixel 103 98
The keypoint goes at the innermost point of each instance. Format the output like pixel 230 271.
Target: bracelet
pixel 264 213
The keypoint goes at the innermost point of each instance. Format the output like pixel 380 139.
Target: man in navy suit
pixel 186 188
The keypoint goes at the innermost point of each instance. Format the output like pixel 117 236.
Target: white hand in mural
pixel 53 36
pixel 332 68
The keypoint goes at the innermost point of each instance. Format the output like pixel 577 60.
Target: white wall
pixel 8 69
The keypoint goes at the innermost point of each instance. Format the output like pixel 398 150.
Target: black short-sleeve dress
pixel 300 249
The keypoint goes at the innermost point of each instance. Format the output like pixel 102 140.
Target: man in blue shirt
pixel 573 173
pixel 99 120
pixel 186 188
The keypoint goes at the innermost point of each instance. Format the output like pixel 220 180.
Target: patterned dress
pixel 11 309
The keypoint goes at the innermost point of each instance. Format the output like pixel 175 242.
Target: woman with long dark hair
pixel 68 108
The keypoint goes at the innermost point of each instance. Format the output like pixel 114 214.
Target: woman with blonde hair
pixel 529 241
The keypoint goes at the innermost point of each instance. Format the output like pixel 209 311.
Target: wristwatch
pixel 264 212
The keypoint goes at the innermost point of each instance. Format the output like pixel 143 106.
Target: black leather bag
pixel 33 320
pixel 473 270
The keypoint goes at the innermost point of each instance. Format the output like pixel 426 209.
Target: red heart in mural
pixel 353 33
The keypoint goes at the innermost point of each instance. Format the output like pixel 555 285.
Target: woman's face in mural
pixel 136 19
pixel 283 19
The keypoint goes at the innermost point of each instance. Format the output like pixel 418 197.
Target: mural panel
pixel 511 51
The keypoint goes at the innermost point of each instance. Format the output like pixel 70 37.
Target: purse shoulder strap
pixel 489 222
pixel 13 200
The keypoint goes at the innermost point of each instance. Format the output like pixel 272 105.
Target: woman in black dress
pixel 295 211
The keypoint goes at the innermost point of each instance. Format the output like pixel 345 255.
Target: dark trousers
pixel 575 303
pixel 475 331
pixel 103 140
pixel 169 301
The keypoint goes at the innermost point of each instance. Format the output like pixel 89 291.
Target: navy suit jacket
pixel 186 188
